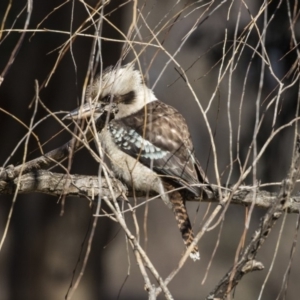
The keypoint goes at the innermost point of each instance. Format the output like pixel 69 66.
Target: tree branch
pixel 83 186
pixel 247 261
pixel 57 184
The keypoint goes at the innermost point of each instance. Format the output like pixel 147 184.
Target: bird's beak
pixel 85 111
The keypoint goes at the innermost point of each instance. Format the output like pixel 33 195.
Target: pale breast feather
pixel 159 138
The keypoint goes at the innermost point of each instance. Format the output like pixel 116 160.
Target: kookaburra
pixel 147 142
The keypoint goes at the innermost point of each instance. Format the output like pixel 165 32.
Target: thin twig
pixel 19 43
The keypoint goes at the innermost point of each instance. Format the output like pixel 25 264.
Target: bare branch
pixel 232 278
pixel 19 43
pixel 83 186
pixel 56 184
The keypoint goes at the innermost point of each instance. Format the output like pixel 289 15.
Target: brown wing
pixel 159 138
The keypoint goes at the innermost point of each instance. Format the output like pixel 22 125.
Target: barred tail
pixel 183 222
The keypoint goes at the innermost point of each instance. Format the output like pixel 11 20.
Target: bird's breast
pixel 128 168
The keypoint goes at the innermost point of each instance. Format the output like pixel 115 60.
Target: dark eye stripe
pixel 106 99
pixel 128 98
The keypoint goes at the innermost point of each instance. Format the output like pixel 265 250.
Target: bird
pixel 147 142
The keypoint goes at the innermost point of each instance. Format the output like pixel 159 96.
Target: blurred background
pixel 43 249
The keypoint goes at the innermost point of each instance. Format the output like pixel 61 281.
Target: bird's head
pixel 120 90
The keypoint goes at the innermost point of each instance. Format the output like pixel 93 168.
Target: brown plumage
pixel 168 151
pixel 148 143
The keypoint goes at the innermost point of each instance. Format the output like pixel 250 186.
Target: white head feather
pixel 119 82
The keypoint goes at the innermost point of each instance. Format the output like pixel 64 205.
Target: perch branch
pixel 46 182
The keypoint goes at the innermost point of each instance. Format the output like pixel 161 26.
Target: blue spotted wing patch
pixel 132 142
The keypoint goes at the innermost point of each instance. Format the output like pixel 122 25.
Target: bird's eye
pixel 106 99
